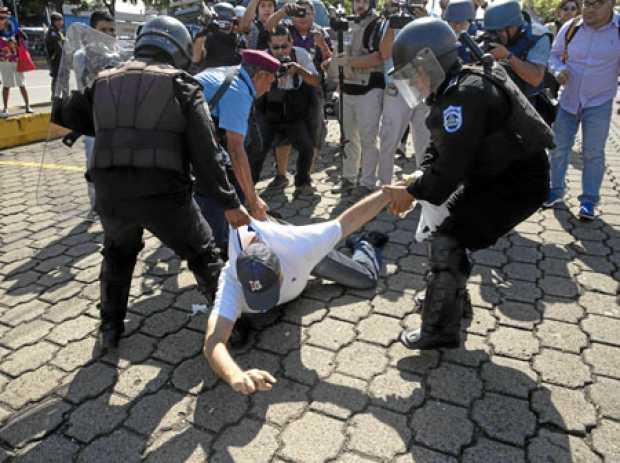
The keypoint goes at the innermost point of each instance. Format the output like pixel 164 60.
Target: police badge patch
pixel 452 118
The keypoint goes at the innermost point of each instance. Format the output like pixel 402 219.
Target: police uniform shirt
pixel 299 249
pixel 234 108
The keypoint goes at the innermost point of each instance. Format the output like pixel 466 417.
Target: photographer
pixel 397 115
pixel 460 15
pixel 217 45
pixel 282 113
pixel 522 47
pixel 362 96
pixel 254 23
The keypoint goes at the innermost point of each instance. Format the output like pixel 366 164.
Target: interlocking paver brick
pixel 305 311
pixel 563 336
pixel 76 354
pixel 598 282
pixel 31 387
pixel 312 438
pixel 193 374
pixel 562 369
pixel 417 454
pixel 97 417
pixel 331 334
pixel 379 329
pixel 26 333
pixel 418 362
pixel 505 418
pixel 482 322
pixel 551 446
pixel 361 360
pixel 397 390
pixel 185 443
pixel 511 342
pixel 601 304
pixel 121 445
pixel 602 329
pixel 138 380
pixel 349 308
pixel 454 383
pixel 73 330
pixel 522 271
pixel 88 382
pixel 53 448
pixel 490 451
pixel 517 315
pixel 605 394
pixel 379 432
pixel 563 310
pixel 286 401
pixel 248 442
pixel 508 376
pixel 28 358
pixel 339 396
pixel 34 422
pixel 442 427
pixel 219 407
pixel 605 360
pixel 158 412
pixel 605 440
pixel 179 346
pixel 308 364
pixel 565 408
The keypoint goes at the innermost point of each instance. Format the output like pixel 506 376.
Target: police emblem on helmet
pixel 452 118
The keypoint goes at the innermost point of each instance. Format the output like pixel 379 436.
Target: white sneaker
pixel 4 114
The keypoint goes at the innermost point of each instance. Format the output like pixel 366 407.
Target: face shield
pixel 420 78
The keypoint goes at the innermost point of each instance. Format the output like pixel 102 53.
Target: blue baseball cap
pixel 259 271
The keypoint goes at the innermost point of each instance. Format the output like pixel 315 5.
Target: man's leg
pixel 442 309
pixel 368 116
pixel 361 271
pixel 394 121
pixel 595 127
pixel 282 154
pixel 257 154
pixel 564 130
pixel 301 138
pixel 121 245
pixel 353 149
pixel 421 134
pixel 89 143
pixel 184 230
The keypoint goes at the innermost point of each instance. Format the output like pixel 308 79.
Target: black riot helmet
pixel 423 53
pixel 225 11
pixel 167 35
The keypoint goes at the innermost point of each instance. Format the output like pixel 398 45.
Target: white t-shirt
pixel 299 248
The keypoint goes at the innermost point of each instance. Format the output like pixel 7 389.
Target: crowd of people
pixel 181 155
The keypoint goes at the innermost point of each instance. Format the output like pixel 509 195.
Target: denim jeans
pixel 595 124
pixel 360 271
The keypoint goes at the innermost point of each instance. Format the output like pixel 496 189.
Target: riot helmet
pixel 225 13
pixel 423 53
pixel 459 11
pixel 168 35
pixel 502 14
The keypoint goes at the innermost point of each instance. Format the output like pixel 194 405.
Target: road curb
pixel 28 128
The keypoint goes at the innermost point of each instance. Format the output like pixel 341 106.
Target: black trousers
pixel 177 223
pixel 483 212
pixel 297 133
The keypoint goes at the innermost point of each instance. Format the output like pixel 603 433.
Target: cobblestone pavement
pixel 538 378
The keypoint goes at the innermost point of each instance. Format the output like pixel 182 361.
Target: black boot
pixel 443 304
pixel 468 310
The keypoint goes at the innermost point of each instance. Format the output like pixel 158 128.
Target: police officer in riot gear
pixel 145 144
pixel 487 155
pixel 522 47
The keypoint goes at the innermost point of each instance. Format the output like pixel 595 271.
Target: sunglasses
pixel 569 8
pixel 595 5
pixel 279 47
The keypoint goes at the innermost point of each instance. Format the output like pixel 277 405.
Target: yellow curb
pixel 38 165
pixel 28 128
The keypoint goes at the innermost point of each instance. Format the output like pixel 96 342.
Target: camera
pixel 296 11
pixel 403 12
pixel 285 64
pixel 486 40
pixel 338 21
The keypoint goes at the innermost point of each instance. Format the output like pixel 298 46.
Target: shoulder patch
pixel 453 118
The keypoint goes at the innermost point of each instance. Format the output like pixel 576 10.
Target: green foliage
pixel 545 9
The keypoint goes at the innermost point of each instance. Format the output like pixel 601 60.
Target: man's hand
pixel 259 209
pixel 562 77
pixel 319 40
pixel 341 60
pixel 237 217
pixel 399 197
pixel 294 68
pixel 249 381
pixel 499 51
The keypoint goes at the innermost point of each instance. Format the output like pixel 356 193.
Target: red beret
pixel 261 59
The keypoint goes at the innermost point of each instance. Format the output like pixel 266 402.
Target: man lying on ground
pixel 270 264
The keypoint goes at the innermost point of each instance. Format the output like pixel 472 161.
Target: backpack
pixel 570 34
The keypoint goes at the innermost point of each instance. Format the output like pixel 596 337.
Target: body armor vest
pixel 526 40
pixel 222 50
pixel 138 120
pixel 524 122
pixel 361 36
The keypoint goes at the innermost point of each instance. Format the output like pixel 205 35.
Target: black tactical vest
pixel 138 119
pixel 524 122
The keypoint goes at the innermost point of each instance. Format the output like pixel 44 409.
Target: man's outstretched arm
pixel 216 351
pixel 362 212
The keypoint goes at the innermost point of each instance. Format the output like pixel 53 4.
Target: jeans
pixel 361 271
pixel 595 124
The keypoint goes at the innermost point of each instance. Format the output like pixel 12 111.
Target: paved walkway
pixel 538 378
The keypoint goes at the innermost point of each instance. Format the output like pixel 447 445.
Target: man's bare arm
pixel 532 73
pixel 216 351
pixel 362 212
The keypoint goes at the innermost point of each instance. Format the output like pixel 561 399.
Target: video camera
pixel 486 39
pixel 339 21
pixel 402 12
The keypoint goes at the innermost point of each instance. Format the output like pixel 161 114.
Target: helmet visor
pixel 423 76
